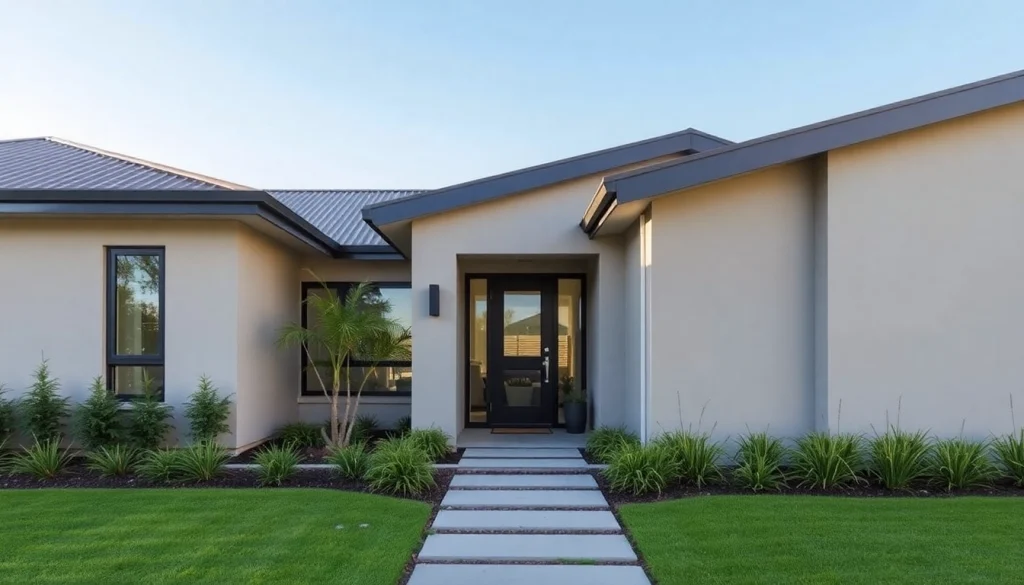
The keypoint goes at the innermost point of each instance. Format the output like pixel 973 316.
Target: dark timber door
pixel 522 376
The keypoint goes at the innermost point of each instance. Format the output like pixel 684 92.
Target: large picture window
pixel 389 378
pixel 135 321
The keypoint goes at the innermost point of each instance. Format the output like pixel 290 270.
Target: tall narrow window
pixel 135 321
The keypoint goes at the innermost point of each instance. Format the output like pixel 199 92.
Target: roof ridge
pixel 152 165
pixel 346 190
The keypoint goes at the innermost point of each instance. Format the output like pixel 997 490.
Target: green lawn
pixel 794 539
pixel 217 536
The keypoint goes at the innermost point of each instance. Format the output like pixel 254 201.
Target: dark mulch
pixel 319 454
pixel 588 457
pixel 79 477
pixel 870 490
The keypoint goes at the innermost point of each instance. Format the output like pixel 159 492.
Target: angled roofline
pixel 535 177
pixel 805 141
pixel 142 162
pixel 181 202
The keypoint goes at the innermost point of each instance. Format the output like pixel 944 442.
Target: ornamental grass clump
pixel 433 441
pixel 605 442
pixel 959 464
pixel 1009 451
pixel 759 460
pixel 351 461
pixel 641 469
pixel 826 461
pixel 160 465
pixel 695 454
pixel 302 435
pixel 400 466
pixel 202 461
pixel 42 460
pixel 276 464
pixel 113 461
pixel 363 427
pixel 899 458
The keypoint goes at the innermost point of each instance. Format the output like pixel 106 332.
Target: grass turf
pixel 216 536
pixel 801 540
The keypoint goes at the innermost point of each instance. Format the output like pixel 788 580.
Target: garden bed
pixel 78 476
pixel 1003 488
pixel 319 454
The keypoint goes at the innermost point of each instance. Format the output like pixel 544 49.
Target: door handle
pixel 547 364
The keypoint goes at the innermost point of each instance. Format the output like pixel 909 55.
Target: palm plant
pixel 343 328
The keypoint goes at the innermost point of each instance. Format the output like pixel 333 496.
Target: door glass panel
pixel 569 339
pixel 478 350
pixel 522 388
pixel 522 324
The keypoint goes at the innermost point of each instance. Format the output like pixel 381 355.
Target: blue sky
pixel 416 94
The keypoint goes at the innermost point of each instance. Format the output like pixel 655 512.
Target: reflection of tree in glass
pixel 138 319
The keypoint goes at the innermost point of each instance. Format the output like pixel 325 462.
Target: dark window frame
pixel 114 360
pixel 341 288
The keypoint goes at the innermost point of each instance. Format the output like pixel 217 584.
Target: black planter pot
pixel 575 417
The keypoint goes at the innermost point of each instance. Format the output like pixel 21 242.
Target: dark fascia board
pixel 498 186
pixel 206 202
pixel 806 141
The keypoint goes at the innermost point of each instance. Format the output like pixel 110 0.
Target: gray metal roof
pixel 338 213
pixel 799 143
pixel 52 163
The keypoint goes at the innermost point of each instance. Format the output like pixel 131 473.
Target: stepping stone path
pixel 502 523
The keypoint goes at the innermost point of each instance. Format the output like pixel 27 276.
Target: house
pixel 828 277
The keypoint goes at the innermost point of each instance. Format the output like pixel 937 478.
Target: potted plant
pixel 574 404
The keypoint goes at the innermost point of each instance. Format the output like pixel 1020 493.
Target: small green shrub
pixel 160 465
pixel 400 468
pixel 7 415
pixel 363 427
pixel 207 412
pixel 899 458
pixel 759 462
pixel 827 461
pixel 43 408
pixel 961 464
pixel 97 421
pixel 1010 453
pixel 43 460
pixel 115 461
pixel 433 441
pixel 351 461
pixel 202 461
pixel 302 435
pixel 604 442
pixel 696 456
pixel 639 469
pixel 149 419
pixel 276 464
pixel 403 426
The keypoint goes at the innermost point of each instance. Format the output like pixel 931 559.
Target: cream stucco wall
pixel 52 302
pixel 538 224
pixel 731 304
pixel 268 298
pixel 387 409
pixel 925 286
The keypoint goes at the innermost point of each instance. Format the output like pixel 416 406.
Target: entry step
pixel 527 520
pixel 524 499
pixel 520 453
pixel 480 480
pixel 521 463
pixel 532 574
pixel 527 548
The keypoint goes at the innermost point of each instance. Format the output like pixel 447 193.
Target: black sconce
pixel 434 300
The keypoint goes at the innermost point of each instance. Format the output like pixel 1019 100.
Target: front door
pixel 522 376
